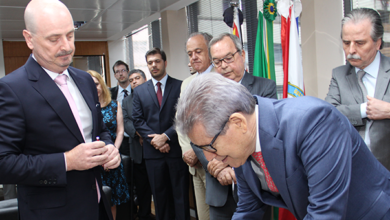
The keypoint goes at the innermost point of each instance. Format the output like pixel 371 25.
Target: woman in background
pixel 113 119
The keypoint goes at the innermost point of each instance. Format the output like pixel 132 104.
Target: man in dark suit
pixel 229 60
pixel 301 154
pixel 153 114
pixel 48 127
pixel 361 88
pixel 119 92
pixel 140 176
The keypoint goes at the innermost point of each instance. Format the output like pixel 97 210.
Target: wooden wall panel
pixel 16 54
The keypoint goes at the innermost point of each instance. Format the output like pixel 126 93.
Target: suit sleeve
pixel 324 146
pixel 139 119
pixel 352 111
pixel 249 206
pixel 201 157
pixel 16 167
pixel 127 119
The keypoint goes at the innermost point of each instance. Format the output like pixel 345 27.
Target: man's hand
pixel 190 158
pixel 215 167
pixel 113 159
pixel 165 148
pixel 158 140
pixel 377 109
pixel 227 176
pixel 86 156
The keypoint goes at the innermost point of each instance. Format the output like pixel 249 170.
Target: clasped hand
pixel 159 142
pixel 88 155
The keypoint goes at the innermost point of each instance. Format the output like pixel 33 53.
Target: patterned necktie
pixel 270 183
pixel 61 80
pixel 126 93
pixel 159 93
pixel 360 75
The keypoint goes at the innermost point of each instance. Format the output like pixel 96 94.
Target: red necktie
pixel 159 93
pixel 259 158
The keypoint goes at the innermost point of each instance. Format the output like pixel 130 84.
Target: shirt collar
pixel 373 68
pixel 207 70
pixel 120 89
pixel 242 78
pixel 163 81
pixel 258 148
pixel 52 74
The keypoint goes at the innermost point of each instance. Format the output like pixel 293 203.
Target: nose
pixel 66 44
pixel 352 48
pixel 209 156
pixel 193 56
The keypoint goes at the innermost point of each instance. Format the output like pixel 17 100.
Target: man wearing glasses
pixel 301 154
pixel 228 57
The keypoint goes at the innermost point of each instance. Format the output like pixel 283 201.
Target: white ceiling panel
pixel 106 19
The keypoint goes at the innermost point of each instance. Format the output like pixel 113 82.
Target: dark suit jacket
pixel 114 92
pixel 149 118
pixel 346 95
pixel 135 146
pixel 319 163
pixel 37 127
pixel 216 194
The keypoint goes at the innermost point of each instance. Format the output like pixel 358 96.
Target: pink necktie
pixel 159 93
pixel 61 80
pixel 259 158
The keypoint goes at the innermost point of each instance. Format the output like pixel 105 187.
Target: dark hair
pixel 118 63
pixel 360 14
pixel 154 51
pixel 138 71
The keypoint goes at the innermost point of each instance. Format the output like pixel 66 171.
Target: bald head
pixel 50 34
pixel 38 10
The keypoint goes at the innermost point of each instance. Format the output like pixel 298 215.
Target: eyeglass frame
pixel 209 147
pixel 224 59
pixel 121 71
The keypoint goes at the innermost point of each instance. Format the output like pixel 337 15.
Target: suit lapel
pixel 382 81
pixel 247 81
pixel 49 90
pixel 272 149
pixel 152 92
pixel 354 85
pixel 167 90
pixel 87 95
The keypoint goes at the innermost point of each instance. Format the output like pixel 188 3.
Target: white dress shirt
pixel 369 81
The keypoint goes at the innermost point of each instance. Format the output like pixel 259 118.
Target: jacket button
pixel 45 182
pixel 40 181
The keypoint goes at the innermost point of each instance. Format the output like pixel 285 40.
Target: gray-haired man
pixel 360 89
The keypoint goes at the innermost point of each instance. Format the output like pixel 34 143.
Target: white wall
pixel 174 33
pixel 116 51
pixel 2 68
pixel 321 44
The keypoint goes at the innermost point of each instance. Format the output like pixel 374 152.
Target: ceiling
pixel 107 20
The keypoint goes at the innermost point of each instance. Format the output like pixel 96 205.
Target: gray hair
pixel 360 14
pixel 234 38
pixel 207 37
pixel 138 71
pixel 210 99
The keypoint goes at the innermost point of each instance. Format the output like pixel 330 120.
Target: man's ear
pixel 28 37
pixel 239 121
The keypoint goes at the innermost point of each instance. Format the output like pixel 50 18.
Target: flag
pixel 293 85
pixel 264 63
pixel 236 24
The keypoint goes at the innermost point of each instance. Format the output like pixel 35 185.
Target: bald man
pixel 51 123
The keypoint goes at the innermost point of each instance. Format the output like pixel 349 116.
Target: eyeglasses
pixel 121 71
pixel 228 59
pixel 209 147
